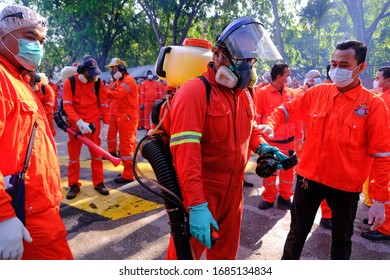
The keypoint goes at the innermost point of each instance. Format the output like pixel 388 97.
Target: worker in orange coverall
pixel 56 89
pixel 150 93
pixel 30 226
pixel 210 140
pixel 347 132
pixel 124 90
pixel 267 98
pixel 312 78
pixel 140 109
pixel 45 94
pixel 382 81
pixel 113 129
pixel 83 108
pixel 266 79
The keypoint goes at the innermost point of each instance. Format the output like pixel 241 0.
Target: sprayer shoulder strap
pixel 43 88
pixel 208 87
pixel 72 81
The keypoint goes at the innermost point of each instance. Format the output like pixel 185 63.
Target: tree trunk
pixel 356 12
pixel 278 35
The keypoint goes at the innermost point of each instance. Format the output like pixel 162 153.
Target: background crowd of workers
pixel 215 134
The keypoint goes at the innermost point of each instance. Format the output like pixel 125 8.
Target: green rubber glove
pixel 266 148
pixel 201 219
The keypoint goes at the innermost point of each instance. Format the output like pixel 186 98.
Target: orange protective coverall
pixel 163 88
pixel 84 105
pixel 267 99
pixel 325 210
pixel 385 227
pixel 126 95
pixel 112 144
pixel 57 95
pixel 150 93
pixel 47 100
pixel 342 143
pixel 211 157
pixel 140 112
pixel 19 109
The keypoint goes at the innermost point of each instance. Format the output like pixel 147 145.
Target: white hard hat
pixel 115 62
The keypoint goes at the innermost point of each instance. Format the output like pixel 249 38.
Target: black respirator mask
pixel 244 73
pixel 269 163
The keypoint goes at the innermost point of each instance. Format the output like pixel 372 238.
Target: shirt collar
pixel 274 90
pixel 352 93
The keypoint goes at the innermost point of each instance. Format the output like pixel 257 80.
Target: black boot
pixel 73 191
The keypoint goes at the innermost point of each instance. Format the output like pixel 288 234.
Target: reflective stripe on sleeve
pixel 185 137
pixel 67 102
pixel 285 112
pixel 126 87
pixel 379 155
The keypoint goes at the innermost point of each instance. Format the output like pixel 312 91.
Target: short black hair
pixel 359 47
pixel 386 71
pixel 327 72
pixel 278 69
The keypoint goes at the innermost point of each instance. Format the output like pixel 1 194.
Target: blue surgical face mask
pixel 317 81
pixel 30 53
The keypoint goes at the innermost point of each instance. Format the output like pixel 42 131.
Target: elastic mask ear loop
pixel 2 41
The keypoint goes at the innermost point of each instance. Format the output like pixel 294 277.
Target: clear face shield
pixel 251 41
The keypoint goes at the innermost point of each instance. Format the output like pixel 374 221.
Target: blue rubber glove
pixel 200 221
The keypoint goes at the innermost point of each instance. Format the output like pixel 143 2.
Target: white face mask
pixel 82 78
pixel 375 84
pixel 117 75
pixel 225 77
pixel 288 82
pixel 150 77
pixel 341 77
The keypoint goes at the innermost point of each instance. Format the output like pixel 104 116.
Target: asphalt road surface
pixel 131 223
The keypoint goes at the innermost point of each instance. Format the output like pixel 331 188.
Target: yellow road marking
pixel 117 204
pixel 250 167
pixel 114 206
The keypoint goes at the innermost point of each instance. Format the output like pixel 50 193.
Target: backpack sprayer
pixel 175 65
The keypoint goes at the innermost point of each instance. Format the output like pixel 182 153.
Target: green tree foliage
pixel 171 20
pixel 366 17
pixel 313 15
pixel 305 32
pixel 104 29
